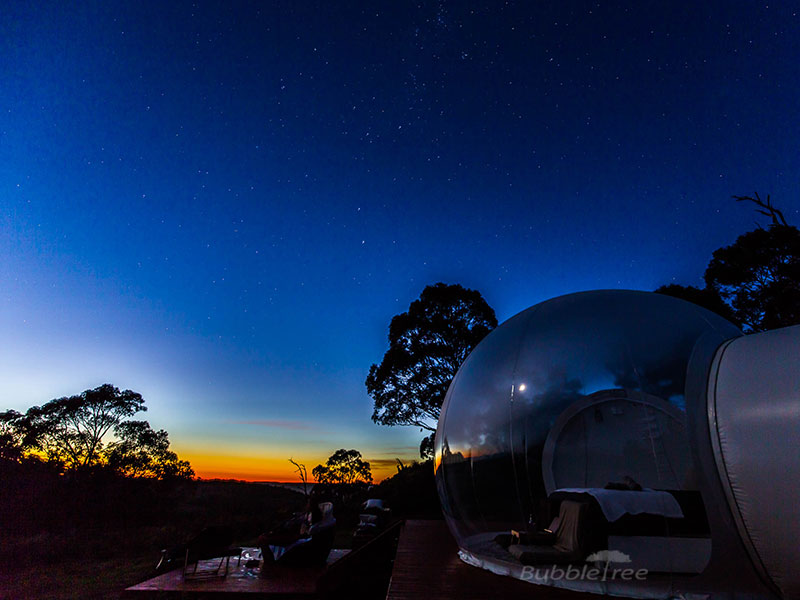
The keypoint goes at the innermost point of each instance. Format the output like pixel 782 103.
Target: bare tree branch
pixel 766 208
pixel 302 473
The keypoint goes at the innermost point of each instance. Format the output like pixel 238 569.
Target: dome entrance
pixel 594 437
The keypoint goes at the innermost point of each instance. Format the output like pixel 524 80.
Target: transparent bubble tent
pixel 627 443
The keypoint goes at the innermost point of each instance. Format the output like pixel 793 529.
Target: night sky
pixel 222 205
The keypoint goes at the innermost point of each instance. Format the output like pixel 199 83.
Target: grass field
pixel 92 539
pixel 93 536
pixel 75 579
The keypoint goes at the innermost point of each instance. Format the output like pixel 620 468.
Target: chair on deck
pixel 373 518
pixel 568 544
pixel 210 543
pixel 313 549
pixel 365 571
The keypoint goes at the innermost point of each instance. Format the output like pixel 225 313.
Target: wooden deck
pixel 361 573
pixel 280 582
pixel 427 566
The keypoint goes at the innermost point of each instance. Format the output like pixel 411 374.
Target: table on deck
pixel 426 566
pixel 282 582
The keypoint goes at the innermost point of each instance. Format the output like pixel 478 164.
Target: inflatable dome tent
pixel 627 443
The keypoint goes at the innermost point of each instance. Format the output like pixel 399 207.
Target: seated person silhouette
pixel 277 542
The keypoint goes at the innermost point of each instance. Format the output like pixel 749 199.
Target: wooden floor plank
pixel 427 566
pixel 280 582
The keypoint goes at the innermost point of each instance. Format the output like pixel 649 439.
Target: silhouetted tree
pixel 427 345
pixel 12 436
pixel 70 430
pixel 71 433
pixel 754 282
pixel 343 466
pixel 765 207
pixel 411 492
pixel 759 274
pixel 301 471
pixel 139 451
pixel 706 297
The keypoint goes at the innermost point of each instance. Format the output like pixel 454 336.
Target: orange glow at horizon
pixel 264 468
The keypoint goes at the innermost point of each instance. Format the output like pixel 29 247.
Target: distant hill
pixel 294 486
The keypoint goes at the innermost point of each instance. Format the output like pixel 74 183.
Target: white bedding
pixel 616 503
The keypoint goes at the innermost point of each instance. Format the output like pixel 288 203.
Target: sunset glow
pixel 223 206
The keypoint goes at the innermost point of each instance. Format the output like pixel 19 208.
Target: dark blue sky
pixel 222 205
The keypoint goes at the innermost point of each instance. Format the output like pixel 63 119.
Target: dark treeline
pixel 754 283
pixel 49 517
pixel 90 431
pixel 102 532
pixel 81 480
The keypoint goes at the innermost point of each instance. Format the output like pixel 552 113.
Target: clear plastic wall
pixel 572 417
